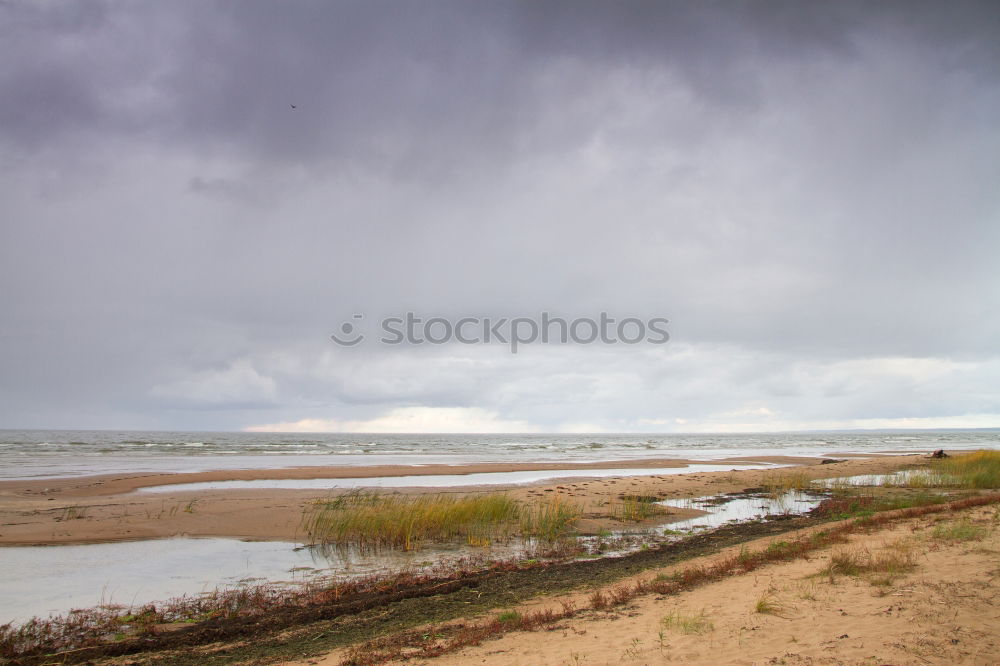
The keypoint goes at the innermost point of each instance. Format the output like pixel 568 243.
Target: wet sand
pixel 108 508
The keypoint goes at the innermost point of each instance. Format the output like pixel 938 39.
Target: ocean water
pixel 54 453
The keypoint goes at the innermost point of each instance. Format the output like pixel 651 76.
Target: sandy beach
pixel 938 609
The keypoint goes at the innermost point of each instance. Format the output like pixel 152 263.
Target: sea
pixel 26 454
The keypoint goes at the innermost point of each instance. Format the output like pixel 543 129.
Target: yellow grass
pixel 780 483
pixel 980 470
pixel 373 521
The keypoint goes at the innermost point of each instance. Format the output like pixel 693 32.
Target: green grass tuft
pixel 959 531
pixel 767 604
pixel 509 617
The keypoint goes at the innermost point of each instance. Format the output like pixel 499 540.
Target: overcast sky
pixel 808 191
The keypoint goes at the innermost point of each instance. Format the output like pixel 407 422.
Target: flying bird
pixel 293 106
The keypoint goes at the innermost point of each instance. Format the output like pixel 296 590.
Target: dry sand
pixel 946 611
pixel 108 508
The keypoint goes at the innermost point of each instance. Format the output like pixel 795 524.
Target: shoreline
pixel 99 509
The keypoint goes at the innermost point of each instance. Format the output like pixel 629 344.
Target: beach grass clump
pixel 550 521
pixel 509 617
pixel 778 484
pixel 845 563
pixel 880 567
pixel 636 508
pixel 373 521
pixel 768 604
pixel 687 623
pixel 979 470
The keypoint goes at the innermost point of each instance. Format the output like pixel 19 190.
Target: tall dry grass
pixel 979 470
pixel 373 521
pixel 779 483
pixel 550 521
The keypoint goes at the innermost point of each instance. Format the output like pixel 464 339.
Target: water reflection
pixel 723 509
pixel 916 477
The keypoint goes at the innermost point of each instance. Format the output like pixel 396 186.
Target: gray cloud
pixel 806 191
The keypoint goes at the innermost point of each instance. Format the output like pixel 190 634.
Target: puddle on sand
pixel 723 509
pixel 447 480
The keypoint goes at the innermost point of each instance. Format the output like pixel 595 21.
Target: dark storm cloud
pixel 796 185
pixel 409 85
